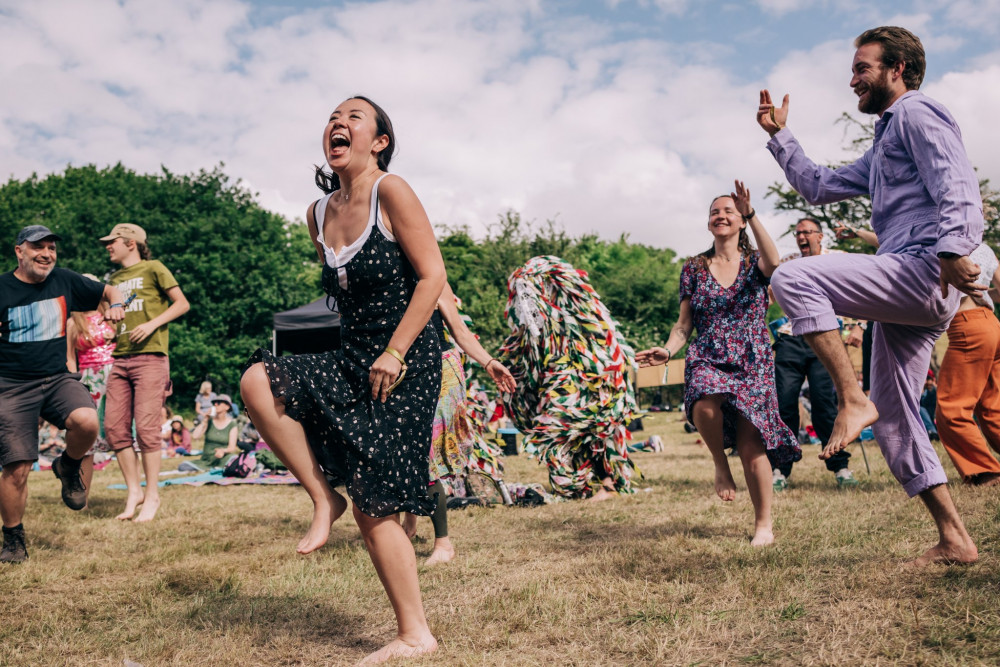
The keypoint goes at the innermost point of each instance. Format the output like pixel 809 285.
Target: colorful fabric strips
pixel 574 393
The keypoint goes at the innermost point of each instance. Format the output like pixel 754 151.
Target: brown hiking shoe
pixel 74 492
pixel 14 550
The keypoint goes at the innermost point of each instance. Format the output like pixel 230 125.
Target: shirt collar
pixel 887 114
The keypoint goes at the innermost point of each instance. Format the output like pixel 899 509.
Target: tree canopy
pixel 239 264
pixel 235 262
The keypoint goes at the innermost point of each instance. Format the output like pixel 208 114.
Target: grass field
pixel 663 577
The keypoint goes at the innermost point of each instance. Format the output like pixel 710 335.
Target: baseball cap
pixel 126 230
pixel 35 233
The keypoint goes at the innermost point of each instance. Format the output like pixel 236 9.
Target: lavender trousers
pixel 902 295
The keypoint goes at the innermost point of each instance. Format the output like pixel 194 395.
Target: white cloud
pixel 495 105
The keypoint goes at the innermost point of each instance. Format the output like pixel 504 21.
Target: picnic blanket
pixel 215 477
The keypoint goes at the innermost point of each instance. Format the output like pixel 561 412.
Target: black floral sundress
pixel 379 451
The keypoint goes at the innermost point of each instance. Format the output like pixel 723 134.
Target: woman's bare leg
pixel 757 472
pixel 396 564
pixel 287 439
pixel 706 414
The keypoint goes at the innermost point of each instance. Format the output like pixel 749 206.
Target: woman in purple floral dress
pixel 729 372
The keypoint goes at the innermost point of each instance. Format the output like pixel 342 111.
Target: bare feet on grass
pixel 399 648
pixel 410 525
pixel 724 484
pixel 762 537
pixel 133 501
pixel 852 418
pixel 444 551
pixel 964 553
pixel 148 511
pixel 324 514
pixel 604 493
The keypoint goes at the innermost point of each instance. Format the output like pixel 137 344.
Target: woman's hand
pixel 742 199
pixel 654 356
pixel 382 374
pixel 501 376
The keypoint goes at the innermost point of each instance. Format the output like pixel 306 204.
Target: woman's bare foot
pixel 324 514
pixel 149 509
pixel 762 537
pixel 948 554
pixel 852 418
pixel 724 484
pixel 443 552
pixel 604 493
pixel 410 525
pixel 131 502
pixel 399 648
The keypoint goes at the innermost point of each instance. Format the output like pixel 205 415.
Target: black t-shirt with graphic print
pixel 33 321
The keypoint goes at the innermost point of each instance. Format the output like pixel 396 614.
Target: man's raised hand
pixel 769 117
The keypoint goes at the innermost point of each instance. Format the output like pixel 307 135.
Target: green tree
pixel 236 263
pixel 638 284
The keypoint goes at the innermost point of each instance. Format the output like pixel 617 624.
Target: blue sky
pixel 610 117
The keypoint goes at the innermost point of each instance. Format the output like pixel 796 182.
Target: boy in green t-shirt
pixel 139 382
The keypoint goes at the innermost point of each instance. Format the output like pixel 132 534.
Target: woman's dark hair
pixel 899 45
pixel 143 250
pixel 746 245
pixel 327 181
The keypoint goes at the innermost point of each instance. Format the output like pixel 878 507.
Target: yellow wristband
pixel 395 353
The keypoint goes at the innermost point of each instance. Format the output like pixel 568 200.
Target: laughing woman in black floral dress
pixel 362 416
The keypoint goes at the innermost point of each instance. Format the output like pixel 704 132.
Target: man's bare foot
pixel 604 493
pixel 398 648
pixel 131 503
pixel 409 525
pixel 724 484
pixel 851 420
pixel 947 554
pixel 324 514
pixel 762 537
pixel 149 509
pixel 443 552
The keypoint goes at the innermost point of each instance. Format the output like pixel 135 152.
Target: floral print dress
pixel 379 451
pixel 731 354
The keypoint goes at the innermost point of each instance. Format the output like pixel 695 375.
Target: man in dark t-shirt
pixel 35 302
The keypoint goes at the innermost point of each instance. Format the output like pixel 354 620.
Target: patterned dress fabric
pixel 94 362
pixel 574 395
pixel 377 450
pixel 460 447
pixel 451 444
pixel 486 457
pixel 731 354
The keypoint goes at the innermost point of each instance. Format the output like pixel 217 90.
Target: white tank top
pixel 338 260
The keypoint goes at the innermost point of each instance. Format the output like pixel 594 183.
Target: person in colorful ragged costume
pixel 574 394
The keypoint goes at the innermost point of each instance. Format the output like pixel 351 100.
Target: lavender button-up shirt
pixel 925 194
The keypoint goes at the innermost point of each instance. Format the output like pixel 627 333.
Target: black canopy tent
pixel 309 328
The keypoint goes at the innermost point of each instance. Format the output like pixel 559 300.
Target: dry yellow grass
pixel 664 577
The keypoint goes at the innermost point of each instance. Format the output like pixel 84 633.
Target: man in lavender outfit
pixel 927 213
